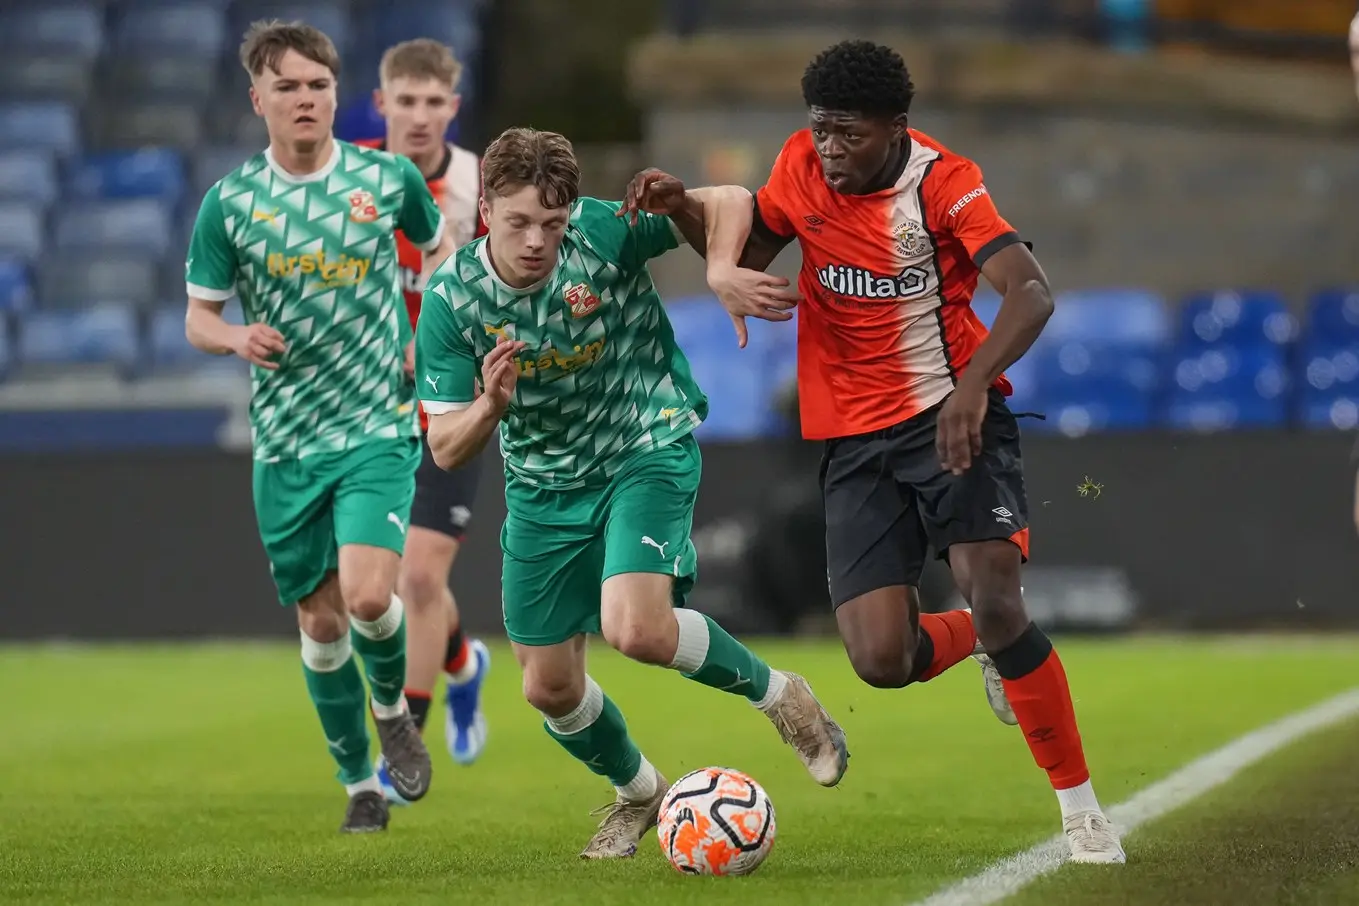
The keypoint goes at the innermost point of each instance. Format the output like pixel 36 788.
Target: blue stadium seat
pixel 156 173
pixel 104 334
pixel 6 353
pixel 1125 317
pixel 182 26
pixel 16 286
pixel 740 396
pixel 700 323
pixel 212 163
pixel 170 350
pixel 21 230
pixel 141 224
pixel 452 23
pixel 28 176
pixel 358 119
pixel 1224 387
pixel 47 125
pixel 1077 416
pixel 56 28
pixel 1334 315
pixel 73 281
pixel 1237 319
pixel 986 304
pixel 1339 412
pixel 1094 367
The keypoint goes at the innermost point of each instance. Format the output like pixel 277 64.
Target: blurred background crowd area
pixel 1185 168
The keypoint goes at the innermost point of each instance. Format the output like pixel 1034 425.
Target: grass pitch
pixel 198 773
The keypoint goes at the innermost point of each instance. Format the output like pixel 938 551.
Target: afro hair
pixel 859 77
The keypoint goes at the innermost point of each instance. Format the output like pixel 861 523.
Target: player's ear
pixel 454 104
pixel 379 102
pixel 255 101
pixel 484 207
pixel 899 126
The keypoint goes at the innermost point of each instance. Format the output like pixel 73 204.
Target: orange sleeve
pixel 774 199
pixel 961 206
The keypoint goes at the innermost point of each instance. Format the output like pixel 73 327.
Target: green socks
pixel 597 736
pixel 336 689
pixel 708 654
pixel 382 645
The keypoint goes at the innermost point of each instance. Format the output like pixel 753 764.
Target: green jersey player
pixel 556 313
pixel 303 233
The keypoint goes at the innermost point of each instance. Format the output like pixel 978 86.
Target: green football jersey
pixel 315 257
pixel 601 379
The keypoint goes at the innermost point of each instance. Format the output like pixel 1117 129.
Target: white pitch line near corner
pixel 1010 875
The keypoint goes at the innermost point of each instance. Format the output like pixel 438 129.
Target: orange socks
pixel 1036 686
pixel 951 639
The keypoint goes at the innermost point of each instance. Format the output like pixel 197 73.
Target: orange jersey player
pixel 905 386
pixel 418 99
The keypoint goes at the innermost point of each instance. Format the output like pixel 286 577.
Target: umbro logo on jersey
pixel 582 300
pixel 813 220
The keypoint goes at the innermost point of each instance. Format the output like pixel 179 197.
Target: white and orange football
pixel 716 821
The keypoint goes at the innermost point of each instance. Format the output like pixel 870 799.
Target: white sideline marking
pixel 1011 874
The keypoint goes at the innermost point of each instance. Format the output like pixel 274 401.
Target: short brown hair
pixel 527 157
pixel 423 58
pixel 268 40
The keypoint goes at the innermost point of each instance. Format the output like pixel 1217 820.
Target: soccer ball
pixel 716 821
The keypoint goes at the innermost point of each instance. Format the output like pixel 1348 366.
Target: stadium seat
pixel 28 176
pixel 181 26
pixel 176 78
pixel 1334 315
pixel 152 173
pixel 21 230
pixel 1339 412
pixel 451 23
pixel 1122 317
pixel 66 281
pixel 740 396
pixel 44 77
pixel 39 125
pixel 140 224
pixel 1224 387
pixel 358 119
pixel 16 286
pixel 1236 319
pixel 699 322
pixel 73 29
pixel 103 334
pixel 212 163
pixel 116 125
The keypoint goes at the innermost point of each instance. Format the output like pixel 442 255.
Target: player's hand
pixel 653 191
pixel 500 374
pixel 409 364
pixel 958 432
pixel 256 343
pixel 747 293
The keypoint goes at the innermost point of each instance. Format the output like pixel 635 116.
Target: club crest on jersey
pixel 911 238
pixel 581 299
pixel 362 208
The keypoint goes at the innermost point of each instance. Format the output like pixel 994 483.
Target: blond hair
pixel 422 58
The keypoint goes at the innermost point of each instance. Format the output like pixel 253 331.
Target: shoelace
pixel 801 734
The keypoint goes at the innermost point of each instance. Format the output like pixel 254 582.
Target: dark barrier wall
pixel 1223 531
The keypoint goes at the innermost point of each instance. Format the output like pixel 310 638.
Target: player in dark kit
pixel 906 387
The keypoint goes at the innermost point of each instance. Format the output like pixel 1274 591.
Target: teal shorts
pixel 560 546
pixel 307 509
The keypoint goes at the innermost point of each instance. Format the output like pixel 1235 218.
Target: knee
pixel 997 603
pixel 648 640
pixel 882 663
pixel 367 599
pixel 321 615
pixel 555 696
pixel 420 587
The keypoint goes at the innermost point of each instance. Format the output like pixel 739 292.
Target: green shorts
pixel 309 508
pixel 560 546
